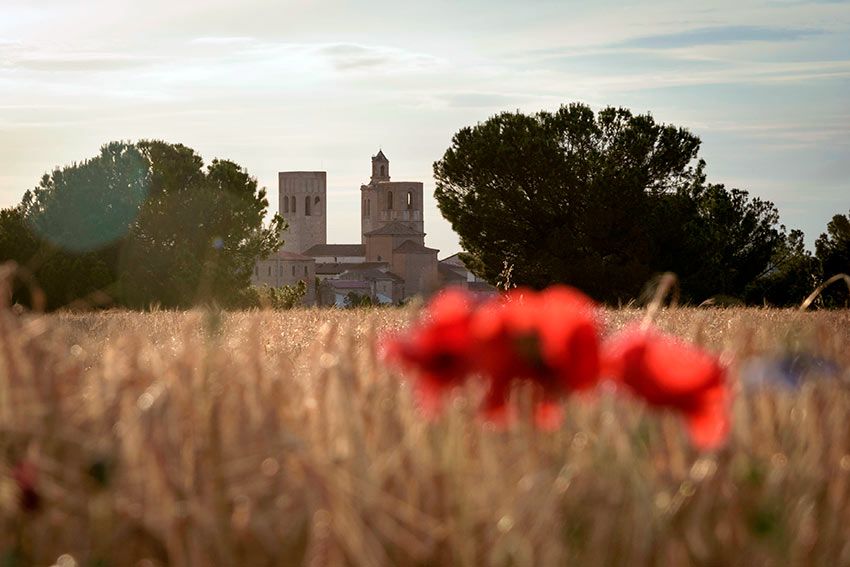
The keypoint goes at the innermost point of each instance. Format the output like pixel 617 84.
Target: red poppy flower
pixel 668 372
pixel 439 348
pixel 548 338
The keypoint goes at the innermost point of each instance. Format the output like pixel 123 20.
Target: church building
pixel 390 264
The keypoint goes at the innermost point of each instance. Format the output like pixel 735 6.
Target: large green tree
pixel 562 196
pixel 145 223
pixel 732 238
pixel 833 252
pixel 601 201
pixel 198 234
pixel 67 232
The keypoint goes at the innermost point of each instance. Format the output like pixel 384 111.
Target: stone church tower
pixel 383 201
pixel 303 203
pixel 380 168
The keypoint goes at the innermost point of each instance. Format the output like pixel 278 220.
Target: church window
pixel 383 171
pixel 409 200
pixel 293 270
pixel 307 205
pixel 286 204
pixel 305 270
pixel 389 200
pixel 270 270
pixel 293 205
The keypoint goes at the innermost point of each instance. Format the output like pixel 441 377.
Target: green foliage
pixel 833 252
pixel 68 230
pixel 17 242
pixel 353 300
pixel 86 206
pixel 199 234
pixel 562 196
pixel 600 201
pixel 324 293
pixel 284 297
pixel 792 275
pixel 728 242
pixel 146 223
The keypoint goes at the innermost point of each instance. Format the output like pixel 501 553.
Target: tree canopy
pixel 145 223
pixel 833 252
pixel 601 201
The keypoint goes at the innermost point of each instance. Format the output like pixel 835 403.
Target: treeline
pixel 138 225
pixel 606 201
pixel 602 201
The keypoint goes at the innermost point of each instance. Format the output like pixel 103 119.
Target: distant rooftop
pixel 336 250
pixel 370 274
pixel 284 255
pixel 348 284
pixel 450 272
pixel 454 259
pixel 367 266
pixel 393 227
pixel 410 247
pixel 331 268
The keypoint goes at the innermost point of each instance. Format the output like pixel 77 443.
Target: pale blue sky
pixel 277 85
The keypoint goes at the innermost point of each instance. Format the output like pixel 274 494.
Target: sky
pixel 278 85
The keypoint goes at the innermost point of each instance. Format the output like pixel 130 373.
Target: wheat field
pixel 280 438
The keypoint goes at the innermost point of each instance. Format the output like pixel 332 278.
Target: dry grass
pixel 278 439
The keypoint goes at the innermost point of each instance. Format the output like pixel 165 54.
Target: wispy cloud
pixel 787 135
pixel 222 40
pixel 341 57
pixel 719 35
pixel 20 55
pixel 82 62
pixel 292 83
pixel 632 69
pixel 794 2
pixel 347 57
pixel 483 100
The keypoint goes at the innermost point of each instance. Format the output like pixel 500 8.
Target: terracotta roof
pixel 284 255
pixel 393 227
pixel 410 247
pixel 336 250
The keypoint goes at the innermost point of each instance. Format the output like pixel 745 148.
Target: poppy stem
pixel 666 282
pixel 814 295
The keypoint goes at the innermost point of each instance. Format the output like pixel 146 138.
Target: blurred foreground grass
pixel 269 438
